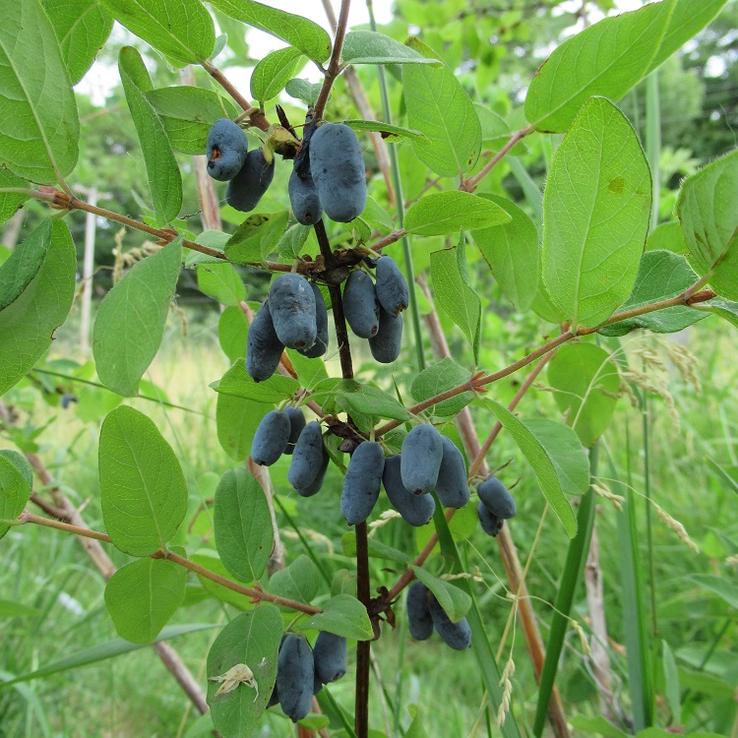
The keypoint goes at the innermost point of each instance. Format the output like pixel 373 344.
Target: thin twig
pixel 253 593
pixel 471 184
pixel 334 65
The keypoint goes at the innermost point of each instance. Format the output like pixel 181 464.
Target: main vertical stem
pixel 363 587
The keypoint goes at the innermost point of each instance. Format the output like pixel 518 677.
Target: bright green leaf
pixel 709 221
pixel 82 27
pixel 10 201
pixel 221 282
pixel 10 609
pixel 236 420
pixel 453 294
pixel 256 237
pixel 441 213
pixel 165 181
pixel 343 615
pixel 438 378
pixel 27 325
pixel 218 591
pixel 130 320
pixel 273 72
pixel 596 211
pixel 142 488
pixel 142 596
pixel 610 57
pixel 369 47
pixel 24 263
pixel 233 327
pixel 297 31
pixel 368 400
pixel 302 89
pixel 251 639
pixel 439 107
pixel 389 131
pixel 243 530
pixel 39 125
pixel 661 274
pixel 238 383
pixel 181 29
pixel 724 308
pixel 299 581
pixel 586 384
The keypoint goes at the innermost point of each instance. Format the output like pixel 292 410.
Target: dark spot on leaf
pixel 617 185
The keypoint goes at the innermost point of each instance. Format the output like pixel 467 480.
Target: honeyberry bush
pixel 583 266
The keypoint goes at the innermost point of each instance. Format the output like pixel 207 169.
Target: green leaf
pixel 596 212
pixel 10 201
pixel 103 652
pixel 369 47
pixel 710 222
pixel 586 383
pixel 511 250
pixel 495 130
pixel 439 107
pixel 251 639
pixel 221 282
pixel 661 274
pixel 438 378
pixel 389 131
pixel 130 320
pixel 256 237
pixel 24 263
pixel 142 488
pixel 610 57
pixel 724 308
pixel 142 596
pixel 297 31
pixel 181 29
pixel 20 463
pixel 238 383
pixel 14 493
pixel 546 471
pixel 597 726
pixel 302 89
pixel 351 396
pixel 453 600
pixel 10 609
pixel 27 325
pixel 273 72
pixel 233 327
pixel 243 529
pixel 188 113
pixel 39 135
pixel 82 27
pixel 720 586
pixel 672 690
pixel 667 237
pixel 299 581
pixel 343 615
pixel 165 181
pixel 566 451
pixel 453 294
pixel 236 420
pixel 448 212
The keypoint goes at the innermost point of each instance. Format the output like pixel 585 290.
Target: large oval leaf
pixel 709 221
pixel 610 57
pixel 181 29
pixel 28 323
pixel 438 107
pixel 142 596
pixel 448 212
pixel 142 488
pixel 130 320
pixel 369 47
pixel 273 72
pixel 243 530
pixel 24 263
pixel 165 181
pixel 596 211
pixel 548 474
pixel 343 615
pixel 39 125
pixel 252 640
pixel 297 31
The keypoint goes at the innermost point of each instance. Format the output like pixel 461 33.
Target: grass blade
pixel 576 557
